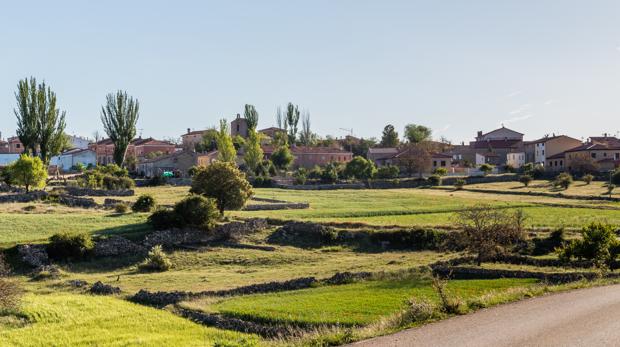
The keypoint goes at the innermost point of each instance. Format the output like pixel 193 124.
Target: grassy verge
pixel 82 320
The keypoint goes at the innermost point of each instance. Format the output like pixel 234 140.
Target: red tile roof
pixel 497 144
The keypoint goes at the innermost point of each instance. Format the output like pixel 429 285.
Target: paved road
pixel 586 317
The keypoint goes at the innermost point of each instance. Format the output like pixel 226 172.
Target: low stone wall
pixel 23 197
pixel 73 201
pixel 117 245
pixel 236 324
pixel 224 232
pixel 78 191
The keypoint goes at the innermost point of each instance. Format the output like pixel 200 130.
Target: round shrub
pixel 563 180
pixel 144 203
pixel 197 211
pixel 70 246
pixel 165 219
pixel 525 179
pixel 615 177
pixel 121 208
pixel 388 171
pixel 224 183
pixel 441 171
pixel 588 178
pixel 156 260
pixel 434 180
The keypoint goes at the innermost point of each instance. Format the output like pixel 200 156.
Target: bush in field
pixel 588 178
pixel 486 168
pixel 509 168
pixel 70 246
pixel 144 203
pixel 111 177
pixel 121 208
pixel 262 182
pixel 197 211
pixel 434 180
pixel 300 176
pixel 28 172
pixel 224 183
pixel 526 180
pixel 388 172
pixel 459 184
pixel 417 239
pixel 329 174
pixel 165 219
pixel 563 180
pixel 488 231
pixel 598 243
pixel 360 168
pixel 450 304
pixel 282 158
pixel 156 260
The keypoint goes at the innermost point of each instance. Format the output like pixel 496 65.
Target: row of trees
pixel 41 124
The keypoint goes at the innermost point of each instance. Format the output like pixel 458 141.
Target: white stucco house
pixel 516 160
pixel 65 161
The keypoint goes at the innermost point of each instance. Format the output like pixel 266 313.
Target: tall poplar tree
pixel 40 124
pixel 225 147
pixel 119 116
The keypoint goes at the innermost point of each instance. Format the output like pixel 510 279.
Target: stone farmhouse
pixel 178 163
pixel 309 157
pixel 603 152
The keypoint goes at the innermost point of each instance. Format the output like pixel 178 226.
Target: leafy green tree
pixel 119 116
pixel 417 133
pixel 28 172
pixel 282 158
pixel 225 147
pixel 292 119
pixel 388 171
pixel 208 142
pixel 253 153
pixel 389 138
pixel 360 168
pixel 486 168
pixel 251 117
pixel 223 182
pixel 40 124
pixel 598 243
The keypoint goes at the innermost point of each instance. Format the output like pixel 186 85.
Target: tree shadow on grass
pixel 135 231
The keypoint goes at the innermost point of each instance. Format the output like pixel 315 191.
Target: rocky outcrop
pixel 99 288
pixel 33 255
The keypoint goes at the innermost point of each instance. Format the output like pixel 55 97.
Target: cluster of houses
pixel 501 148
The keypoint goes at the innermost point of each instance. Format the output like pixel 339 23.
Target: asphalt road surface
pixel 585 317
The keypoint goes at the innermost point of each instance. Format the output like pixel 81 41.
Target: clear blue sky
pixel 456 66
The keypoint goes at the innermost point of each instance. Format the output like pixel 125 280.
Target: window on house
pixel 593 155
pixel 17 145
pixel 443 163
pixel 434 162
pixel 543 152
pixel 617 156
pixel 604 154
pixel 561 163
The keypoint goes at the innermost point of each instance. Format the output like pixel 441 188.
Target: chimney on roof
pixel 479 134
pixel 605 135
pixel 238 116
pixel 188 130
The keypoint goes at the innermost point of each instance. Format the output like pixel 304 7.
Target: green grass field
pixel 350 304
pixel 84 320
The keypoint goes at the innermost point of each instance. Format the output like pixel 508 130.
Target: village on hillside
pixel 504 149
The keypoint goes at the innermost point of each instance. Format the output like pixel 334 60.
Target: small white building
pixel 516 160
pixel 65 161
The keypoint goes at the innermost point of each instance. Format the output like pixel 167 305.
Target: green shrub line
pixel 545 194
